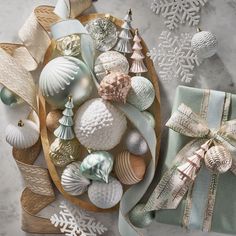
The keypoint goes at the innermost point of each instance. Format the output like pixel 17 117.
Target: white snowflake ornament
pixel 76 222
pixel 178 11
pixel 175 57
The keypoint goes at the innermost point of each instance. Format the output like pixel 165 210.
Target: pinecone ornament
pixel 115 87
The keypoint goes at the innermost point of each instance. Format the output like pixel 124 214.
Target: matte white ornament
pixel 99 125
pixel 72 180
pixel 23 135
pixel 204 44
pixel 142 93
pixel 105 195
pixel 110 61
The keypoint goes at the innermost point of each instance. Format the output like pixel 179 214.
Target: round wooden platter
pixel 45 134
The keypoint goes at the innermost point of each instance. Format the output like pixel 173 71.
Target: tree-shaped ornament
pixel 138 65
pixel 124 45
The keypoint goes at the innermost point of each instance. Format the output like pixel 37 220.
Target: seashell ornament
pixel 52 120
pixel 218 159
pixel 105 195
pixel 23 135
pixel 99 125
pixel 72 180
pixel 129 169
pixel 110 61
pixel 115 87
pixel 97 166
pixel 142 93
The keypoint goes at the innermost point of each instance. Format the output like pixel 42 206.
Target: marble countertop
pixel 217 72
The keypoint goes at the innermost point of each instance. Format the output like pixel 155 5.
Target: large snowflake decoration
pixel 175 57
pixel 76 222
pixel 178 11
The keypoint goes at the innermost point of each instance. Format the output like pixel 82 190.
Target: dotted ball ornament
pixel 105 195
pixel 99 125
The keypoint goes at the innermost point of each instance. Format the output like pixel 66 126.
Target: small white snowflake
pixel 174 57
pixel 178 11
pixel 76 222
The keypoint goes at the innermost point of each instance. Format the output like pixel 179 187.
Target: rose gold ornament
pixel 52 120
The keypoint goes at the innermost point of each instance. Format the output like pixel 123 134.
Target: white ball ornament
pixel 204 44
pixel 105 195
pixel 23 135
pixel 142 93
pixel 99 125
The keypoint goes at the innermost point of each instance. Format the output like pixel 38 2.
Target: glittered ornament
pixel 69 45
pixel 9 98
pixel 105 195
pixel 97 166
pixel 63 152
pixel 72 180
pixel 115 87
pixel 23 135
pixel 142 93
pixel 150 118
pixel 99 125
pixel 129 169
pixel 110 61
pixel 64 76
pixel 104 33
pixel 135 143
pixel 204 44
pixel 140 218
pixel 52 119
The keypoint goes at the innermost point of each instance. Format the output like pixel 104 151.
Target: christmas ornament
pixel 142 93
pixel 63 152
pixel 64 76
pixel 140 218
pixel 150 118
pixel 23 135
pixel 138 65
pixel 9 98
pixel 97 166
pixel 69 45
pixel 65 129
pixel 105 195
pixel 204 44
pixel 178 12
pixel 73 181
pixel 174 57
pixel 52 120
pixel 218 159
pixel 110 61
pixel 104 33
pixel 129 169
pixel 115 87
pixel 124 44
pixel 74 221
pixel 135 143
pixel 99 125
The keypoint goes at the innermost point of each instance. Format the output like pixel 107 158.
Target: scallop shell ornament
pixel 218 159
pixel 204 44
pixel 99 125
pixel 64 76
pixel 142 93
pixel 23 135
pixel 105 195
pixel 129 169
pixel 72 180
pixel 110 61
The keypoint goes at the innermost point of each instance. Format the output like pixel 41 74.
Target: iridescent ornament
pixel 140 218
pixel 104 33
pixel 9 98
pixel 72 180
pixel 97 166
pixel 69 45
pixel 150 118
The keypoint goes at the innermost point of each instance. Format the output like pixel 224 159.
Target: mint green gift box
pixel 224 212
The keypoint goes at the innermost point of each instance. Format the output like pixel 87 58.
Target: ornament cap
pixel 20 123
pixel 198 29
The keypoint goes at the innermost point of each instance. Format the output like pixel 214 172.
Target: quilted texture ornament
pixel 115 87
pixel 99 125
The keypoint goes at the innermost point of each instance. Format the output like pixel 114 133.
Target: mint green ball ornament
pixel 9 98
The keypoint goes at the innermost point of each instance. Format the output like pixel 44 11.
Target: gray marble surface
pixel 217 72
